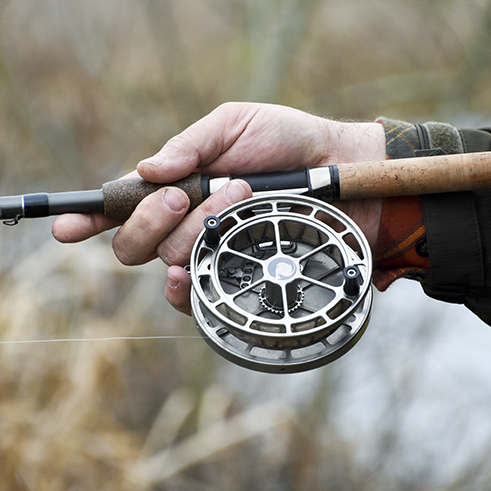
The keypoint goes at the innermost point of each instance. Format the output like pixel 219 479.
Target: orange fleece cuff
pixel 400 250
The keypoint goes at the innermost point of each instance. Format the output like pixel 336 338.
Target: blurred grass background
pixel 87 89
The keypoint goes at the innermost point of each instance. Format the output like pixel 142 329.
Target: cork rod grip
pixel 123 195
pixel 414 176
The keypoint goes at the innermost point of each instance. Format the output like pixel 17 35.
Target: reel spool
pixel 281 284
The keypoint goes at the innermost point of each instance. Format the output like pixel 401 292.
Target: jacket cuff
pixel 450 233
pixel 402 139
pixel 454 245
pixel 406 140
pixel 400 251
pixel 452 225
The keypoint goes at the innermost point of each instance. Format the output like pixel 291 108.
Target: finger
pixel 153 219
pixel 178 289
pixel 75 227
pixel 200 144
pixel 176 248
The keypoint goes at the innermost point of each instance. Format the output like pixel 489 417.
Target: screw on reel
pixel 281 284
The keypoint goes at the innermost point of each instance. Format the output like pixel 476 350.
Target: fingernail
pixel 156 160
pixel 172 282
pixel 235 192
pixel 174 200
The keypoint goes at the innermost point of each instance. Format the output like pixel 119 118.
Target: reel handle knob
pixel 352 278
pixel 212 233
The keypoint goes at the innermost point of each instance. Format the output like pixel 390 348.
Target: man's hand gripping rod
pixel 402 177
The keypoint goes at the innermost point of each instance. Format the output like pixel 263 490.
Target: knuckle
pixel 180 302
pixel 123 255
pixel 147 225
pixel 184 145
pixel 227 106
pixel 172 254
pixel 181 306
pixel 233 106
pixel 126 252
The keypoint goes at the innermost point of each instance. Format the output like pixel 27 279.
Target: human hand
pixel 234 138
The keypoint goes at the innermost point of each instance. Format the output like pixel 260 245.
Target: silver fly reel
pixel 281 283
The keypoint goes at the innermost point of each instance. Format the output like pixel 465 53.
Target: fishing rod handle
pixel 122 196
pixel 415 176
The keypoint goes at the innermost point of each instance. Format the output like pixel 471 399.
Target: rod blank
pixel 43 204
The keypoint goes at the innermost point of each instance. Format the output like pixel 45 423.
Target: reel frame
pixel 281 283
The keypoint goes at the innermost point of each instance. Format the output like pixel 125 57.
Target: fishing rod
pixel 401 177
pixel 281 282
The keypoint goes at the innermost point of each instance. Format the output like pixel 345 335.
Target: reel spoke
pixel 315 251
pixel 239 254
pixel 321 284
pixel 277 235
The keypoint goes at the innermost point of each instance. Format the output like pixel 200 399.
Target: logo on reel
pixel 282 268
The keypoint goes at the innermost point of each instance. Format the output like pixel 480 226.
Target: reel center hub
pixel 282 268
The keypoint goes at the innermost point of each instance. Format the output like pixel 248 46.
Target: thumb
pixel 200 144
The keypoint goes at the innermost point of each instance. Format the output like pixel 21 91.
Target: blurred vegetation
pixel 88 88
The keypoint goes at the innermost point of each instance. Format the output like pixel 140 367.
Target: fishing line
pixel 79 340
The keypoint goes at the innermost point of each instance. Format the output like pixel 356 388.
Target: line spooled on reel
pixel 281 284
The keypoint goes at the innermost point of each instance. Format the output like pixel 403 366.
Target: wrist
pixel 355 142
